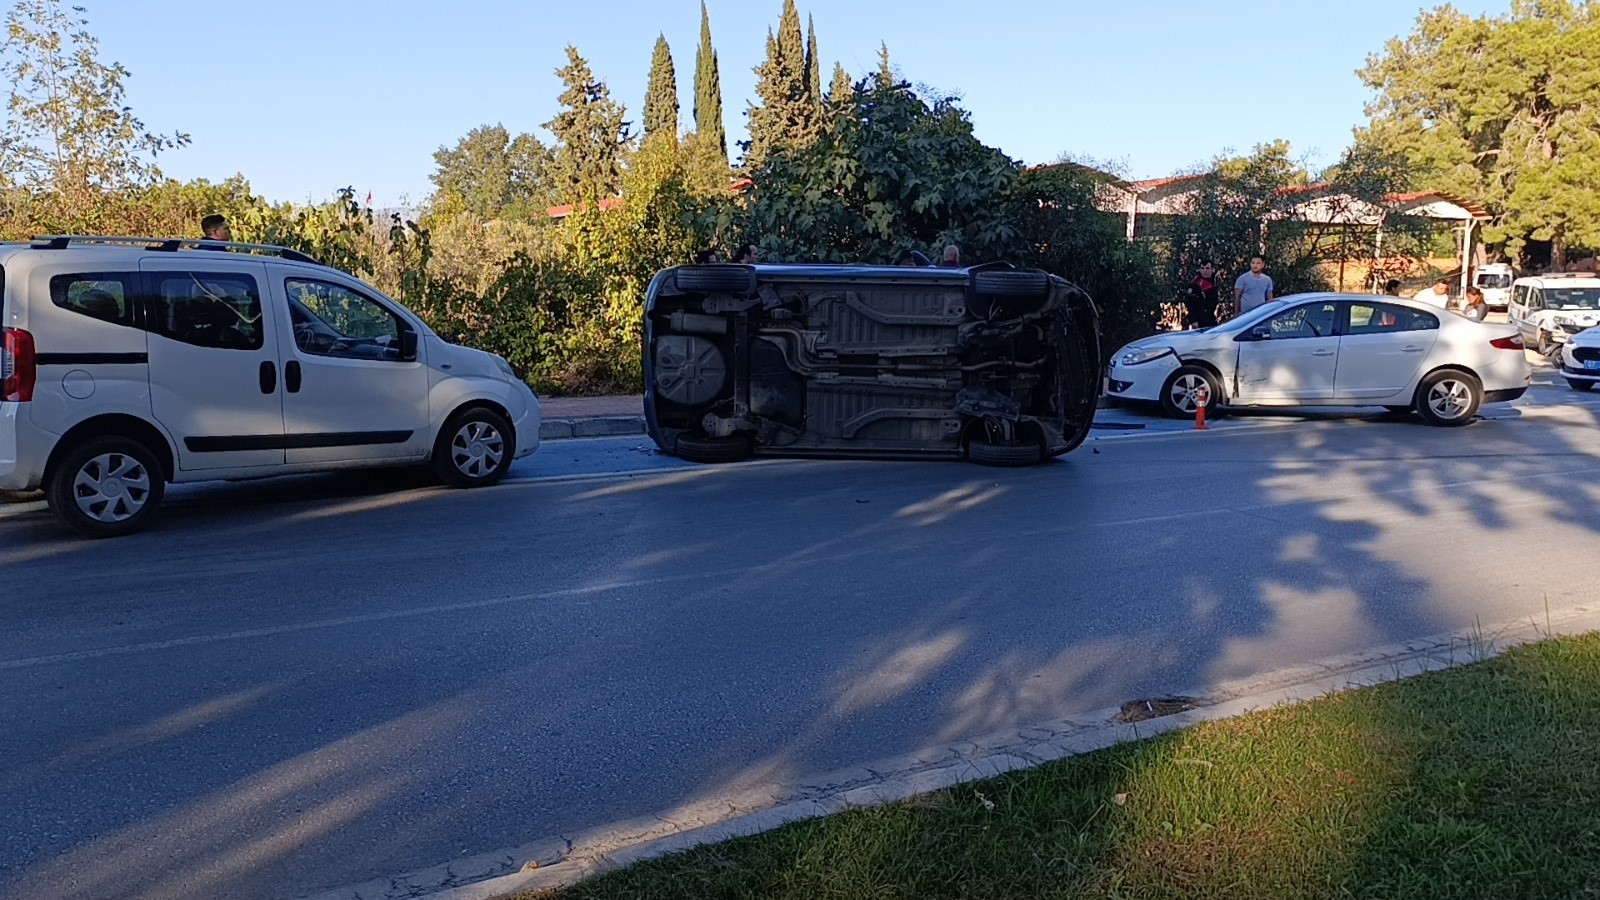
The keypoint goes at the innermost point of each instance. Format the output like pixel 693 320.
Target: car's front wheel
pixel 1580 385
pixel 106 487
pixel 1187 389
pixel 474 449
pixel 1449 398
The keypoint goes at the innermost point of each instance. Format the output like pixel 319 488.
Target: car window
pixel 1519 294
pixel 1304 321
pixel 332 320
pixel 1384 318
pixel 1575 298
pixel 1535 298
pixel 107 296
pixel 1494 280
pixel 207 309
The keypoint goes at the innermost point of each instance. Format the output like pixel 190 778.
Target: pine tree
pixel 590 133
pixel 787 118
pixel 708 92
pixel 842 90
pixel 661 97
pixel 813 64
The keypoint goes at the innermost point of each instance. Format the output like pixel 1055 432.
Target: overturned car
pixel 991 363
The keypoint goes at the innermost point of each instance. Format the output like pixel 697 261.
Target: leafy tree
pixel 493 174
pixel 1501 109
pixel 69 136
pixel 787 116
pixel 661 97
pixel 591 134
pixel 708 92
pixel 901 173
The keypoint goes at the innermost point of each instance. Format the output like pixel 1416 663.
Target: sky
pixel 307 96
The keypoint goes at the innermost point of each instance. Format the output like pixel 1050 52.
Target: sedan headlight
pixel 506 368
pixel 1143 355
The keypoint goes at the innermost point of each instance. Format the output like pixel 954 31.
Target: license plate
pixel 1591 364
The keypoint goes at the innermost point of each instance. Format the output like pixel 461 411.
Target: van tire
pixel 705 449
pixel 1014 456
pixel 106 486
pixel 474 448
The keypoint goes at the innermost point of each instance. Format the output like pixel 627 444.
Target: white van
pixel 1494 280
pixel 1548 309
pixel 129 363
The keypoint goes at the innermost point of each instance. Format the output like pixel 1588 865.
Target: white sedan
pixel 1580 359
pixel 1330 350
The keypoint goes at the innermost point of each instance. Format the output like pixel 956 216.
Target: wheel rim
pixel 1186 390
pixel 111 488
pixel 1450 398
pixel 477 449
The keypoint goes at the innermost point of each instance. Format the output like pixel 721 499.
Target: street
pixel 289 686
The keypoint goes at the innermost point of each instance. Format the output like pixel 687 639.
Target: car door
pixel 1517 311
pixel 214 368
pixel 1290 357
pixel 352 391
pixel 1381 347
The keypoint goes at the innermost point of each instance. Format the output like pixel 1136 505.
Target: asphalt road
pixel 294 685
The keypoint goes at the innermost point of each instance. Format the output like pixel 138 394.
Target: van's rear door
pixel 215 372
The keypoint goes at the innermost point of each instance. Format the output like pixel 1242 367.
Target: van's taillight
pixel 1508 343
pixel 18 366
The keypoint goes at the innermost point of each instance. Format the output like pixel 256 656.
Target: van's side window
pixel 207 309
pixel 106 296
pixel 332 320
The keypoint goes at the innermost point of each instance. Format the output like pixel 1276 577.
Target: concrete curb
pixel 594 426
pixel 561 861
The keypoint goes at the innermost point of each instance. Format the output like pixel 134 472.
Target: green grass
pixel 1479 782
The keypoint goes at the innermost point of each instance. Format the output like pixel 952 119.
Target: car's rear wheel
pixel 106 487
pixel 1005 455
pixel 707 449
pixel 474 449
pixel 1183 392
pixel 1580 385
pixel 1449 398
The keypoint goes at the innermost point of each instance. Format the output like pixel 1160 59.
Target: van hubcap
pixel 477 449
pixel 111 487
pixel 1449 399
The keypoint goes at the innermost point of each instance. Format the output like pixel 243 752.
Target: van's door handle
pixel 1322 353
pixel 291 376
pixel 269 377
pixel 1411 348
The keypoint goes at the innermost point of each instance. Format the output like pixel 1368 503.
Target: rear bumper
pixel 1504 396
pixel 22 457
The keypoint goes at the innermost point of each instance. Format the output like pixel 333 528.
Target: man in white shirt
pixel 1253 288
pixel 1438 295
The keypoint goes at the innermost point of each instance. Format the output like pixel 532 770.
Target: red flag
pixel 369 199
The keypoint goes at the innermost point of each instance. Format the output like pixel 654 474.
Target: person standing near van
pixel 1253 288
pixel 1473 306
pixel 215 228
pixel 1438 295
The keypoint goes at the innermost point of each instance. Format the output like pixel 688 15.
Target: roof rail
pixel 170 245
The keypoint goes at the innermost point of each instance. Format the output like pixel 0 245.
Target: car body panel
pixel 1580 357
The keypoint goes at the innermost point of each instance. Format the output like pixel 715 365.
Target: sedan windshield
pixel 1572 298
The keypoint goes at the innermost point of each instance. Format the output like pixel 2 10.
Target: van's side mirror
pixel 408 346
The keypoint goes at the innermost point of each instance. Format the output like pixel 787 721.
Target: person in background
pixel 1438 295
pixel 1253 288
pixel 1474 306
pixel 1200 298
pixel 747 255
pixel 913 258
pixel 952 256
pixel 215 228
pixel 707 258
pixel 1391 288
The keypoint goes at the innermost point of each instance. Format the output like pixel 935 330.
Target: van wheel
pixel 106 487
pixel 474 449
pixel 1005 455
pixel 706 449
pixel 1449 398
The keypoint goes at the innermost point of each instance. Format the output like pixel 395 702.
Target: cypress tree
pixel 842 89
pixel 708 92
pixel 661 97
pixel 590 135
pixel 813 64
pixel 885 71
pixel 787 117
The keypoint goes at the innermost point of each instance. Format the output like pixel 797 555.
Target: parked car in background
pixel 1494 279
pixel 1548 309
pixel 1329 350
pixel 993 364
pixel 129 363
pixel 1580 359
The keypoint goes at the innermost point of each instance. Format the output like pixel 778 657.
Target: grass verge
pixel 1478 782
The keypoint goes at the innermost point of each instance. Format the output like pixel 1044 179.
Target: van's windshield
pixel 1572 298
pixel 1494 280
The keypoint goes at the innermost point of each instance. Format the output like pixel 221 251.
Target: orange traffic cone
pixel 1201 401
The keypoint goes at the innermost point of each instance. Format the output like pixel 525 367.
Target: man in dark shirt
pixel 1200 298
pixel 215 228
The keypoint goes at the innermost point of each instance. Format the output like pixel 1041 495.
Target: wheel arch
pixel 117 425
